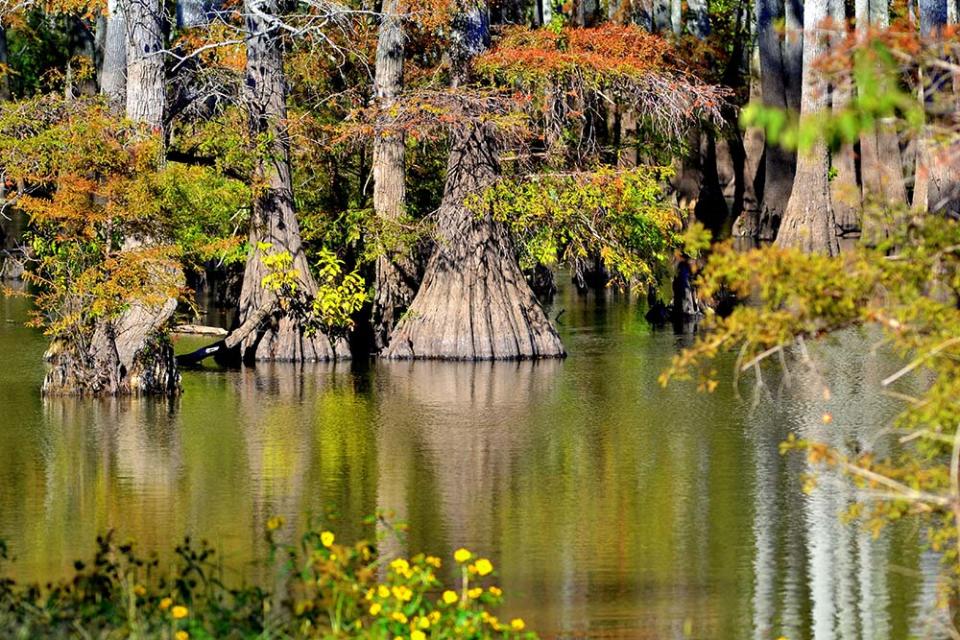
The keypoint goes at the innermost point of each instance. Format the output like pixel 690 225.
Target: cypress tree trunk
pixel 130 354
pixel 881 165
pixel 747 223
pixel 808 221
pixel 396 271
pixel 474 303
pixel 778 83
pixel 844 190
pixel 273 221
pixel 146 90
pixel 113 73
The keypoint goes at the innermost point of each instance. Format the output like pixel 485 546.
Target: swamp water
pixel 610 506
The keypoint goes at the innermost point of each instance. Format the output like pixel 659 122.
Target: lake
pixel 610 506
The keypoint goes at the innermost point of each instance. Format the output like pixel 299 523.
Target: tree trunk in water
pixel 113 74
pixel 130 354
pixel 273 220
pixel 777 88
pixel 881 164
pixel 844 190
pixel 808 221
pixel 396 270
pixel 474 303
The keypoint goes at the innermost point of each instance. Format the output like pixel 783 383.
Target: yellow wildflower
pixel 450 597
pixel 434 617
pixel 484 566
pixel 275 523
pixel 375 608
pixel 476 592
pixel 179 611
pixel 517 624
pixel 434 561
pixel 423 623
pixel 461 555
pixel 400 565
pixel 165 603
pixel 140 590
pixel 399 617
pixel 181 635
pixel 416 634
pixel 383 591
pixel 402 592
pixel 327 538
pixel 496 591
pixel 369 595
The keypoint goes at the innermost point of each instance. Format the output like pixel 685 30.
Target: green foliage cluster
pixel 325 589
pixel 906 288
pixel 619 215
pixel 94 188
pixel 331 309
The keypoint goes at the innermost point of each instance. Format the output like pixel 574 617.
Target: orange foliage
pixel 608 49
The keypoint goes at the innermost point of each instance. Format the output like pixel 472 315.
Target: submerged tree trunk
pixel 396 270
pixel 808 221
pixel 474 303
pixel 130 354
pixel 273 223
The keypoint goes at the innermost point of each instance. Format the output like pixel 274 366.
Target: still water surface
pixel 612 507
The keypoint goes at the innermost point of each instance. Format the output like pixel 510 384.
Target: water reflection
pixel 611 506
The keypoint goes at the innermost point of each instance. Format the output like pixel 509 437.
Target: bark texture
pixel 474 303
pixel 808 221
pixel 747 223
pixel 779 89
pixel 273 221
pixel 881 164
pixel 844 189
pixel 113 73
pixel 146 89
pixel 396 271
pixel 129 354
